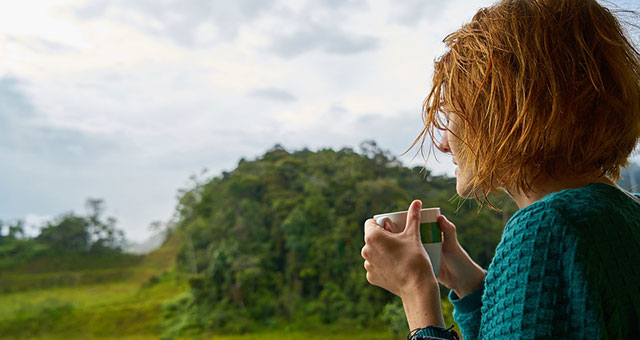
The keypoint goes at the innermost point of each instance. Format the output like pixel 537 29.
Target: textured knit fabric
pixel 567 267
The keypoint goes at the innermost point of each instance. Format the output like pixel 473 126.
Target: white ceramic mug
pixel 429 231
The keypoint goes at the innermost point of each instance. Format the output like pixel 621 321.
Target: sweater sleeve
pixel 467 311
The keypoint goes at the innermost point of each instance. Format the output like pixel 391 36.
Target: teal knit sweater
pixel 567 267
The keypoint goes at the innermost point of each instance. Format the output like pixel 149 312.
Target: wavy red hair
pixel 540 88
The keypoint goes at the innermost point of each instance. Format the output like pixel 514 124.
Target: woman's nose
pixel 444 142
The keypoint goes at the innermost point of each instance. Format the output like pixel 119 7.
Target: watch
pixel 433 333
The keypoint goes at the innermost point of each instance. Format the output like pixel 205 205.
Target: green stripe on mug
pixel 430 232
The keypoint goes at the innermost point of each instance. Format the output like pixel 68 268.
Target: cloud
pixel 194 23
pixel 24 130
pixel 338 4
pixel 40 45
pixel 328 26
pixel 205 23
pixel 337 108
pixel 411 13
pixel 329 39
pixel 273 94
pixel 46 167
pixel 92 9
pixel 13 103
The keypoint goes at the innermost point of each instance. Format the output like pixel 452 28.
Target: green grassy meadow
pixel 89 297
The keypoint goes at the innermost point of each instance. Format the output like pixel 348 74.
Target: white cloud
pixel 273 94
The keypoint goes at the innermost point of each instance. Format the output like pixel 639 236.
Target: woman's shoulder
pixel 556 251
pixel 595 217
pixel 526 274
pixel 595 229
pixel 589 205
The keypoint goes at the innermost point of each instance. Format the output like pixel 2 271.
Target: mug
pixel 429 231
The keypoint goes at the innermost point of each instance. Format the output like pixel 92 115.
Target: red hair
pixel 540 87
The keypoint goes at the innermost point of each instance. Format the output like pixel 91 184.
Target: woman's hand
pixel 397 261
pixel 457 270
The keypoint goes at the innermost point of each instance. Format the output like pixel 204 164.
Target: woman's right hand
pixel 457 270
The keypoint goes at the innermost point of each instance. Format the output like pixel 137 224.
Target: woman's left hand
pixel 396 260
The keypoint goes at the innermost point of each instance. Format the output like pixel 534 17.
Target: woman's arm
pixel 422 306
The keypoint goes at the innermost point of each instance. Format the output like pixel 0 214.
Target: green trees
pixel 73 233
pixel 15 247
pixel 68 233
pixel 277 240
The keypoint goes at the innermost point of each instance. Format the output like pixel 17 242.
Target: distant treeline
pixel 68 233
pixel 277 240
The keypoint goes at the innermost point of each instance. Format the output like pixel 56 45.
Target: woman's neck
pixel 549 185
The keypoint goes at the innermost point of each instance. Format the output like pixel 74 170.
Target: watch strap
pixel 433 333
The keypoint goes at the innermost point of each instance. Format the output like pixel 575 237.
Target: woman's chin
pixel 463 190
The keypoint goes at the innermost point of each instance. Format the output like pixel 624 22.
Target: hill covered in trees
pixel 276 242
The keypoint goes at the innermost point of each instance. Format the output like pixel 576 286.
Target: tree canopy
pixel 67 233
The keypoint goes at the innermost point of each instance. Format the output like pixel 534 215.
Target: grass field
pixel 262 336
pixel 107 298
pixel 88 297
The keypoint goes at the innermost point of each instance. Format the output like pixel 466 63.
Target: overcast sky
pixel 125 99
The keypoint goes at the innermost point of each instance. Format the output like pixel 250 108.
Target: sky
pixel 124 100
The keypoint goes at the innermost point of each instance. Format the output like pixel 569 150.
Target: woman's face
pixel 451 144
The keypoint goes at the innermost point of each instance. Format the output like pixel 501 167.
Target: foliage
pixel 68 233
pixel 72 233
pixel 277 240
pixel 393 315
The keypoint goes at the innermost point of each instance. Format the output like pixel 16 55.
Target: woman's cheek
pixel 462 184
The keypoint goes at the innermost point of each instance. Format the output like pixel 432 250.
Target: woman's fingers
pixel 373 232
pixel 370 273
pixel 388 225
pixel 363 253
pixel 395 261
pixel 448 230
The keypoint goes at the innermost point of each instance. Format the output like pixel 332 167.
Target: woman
pixel 542 101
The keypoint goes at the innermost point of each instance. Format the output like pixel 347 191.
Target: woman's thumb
pixel 448 229
pixel 413 218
